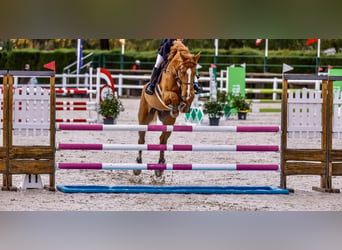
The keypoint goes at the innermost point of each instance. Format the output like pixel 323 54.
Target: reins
pixel 176 75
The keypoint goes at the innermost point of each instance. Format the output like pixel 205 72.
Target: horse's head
pixel 186 75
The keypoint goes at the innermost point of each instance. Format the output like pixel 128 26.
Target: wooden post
pixel 304 161
pixel 334 168
pixel 52 186
pixel 4 149
pixel 284 115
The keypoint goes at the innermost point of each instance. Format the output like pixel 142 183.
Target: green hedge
pixel 303 61
pixel 16 59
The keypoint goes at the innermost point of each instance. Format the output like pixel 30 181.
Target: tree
pixel 104 44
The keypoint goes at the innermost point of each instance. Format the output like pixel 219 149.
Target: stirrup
pixel 198 89
pixel 149 90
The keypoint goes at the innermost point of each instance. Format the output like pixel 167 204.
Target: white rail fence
pixel 87 81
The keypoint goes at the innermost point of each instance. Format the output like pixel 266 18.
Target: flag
pixel 258 41
pixel 310 41
pixel 50 65
pixel 287 68
pixel 330 66
pixel 320 69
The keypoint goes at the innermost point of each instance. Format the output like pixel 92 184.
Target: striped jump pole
pixel 76 108
pixel 169 128
pixel 263 110
pixel 59 90
pixel 263 91
pixel 60 120
pixel 263 101
pixel 72 103
pixel 149 166
pixel 73 91
pixel 167 147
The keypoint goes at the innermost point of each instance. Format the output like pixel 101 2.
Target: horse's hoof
pixel 158 173
pixel 136 171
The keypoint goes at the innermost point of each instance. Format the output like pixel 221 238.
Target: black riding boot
pixel 197 88
pixel 150 87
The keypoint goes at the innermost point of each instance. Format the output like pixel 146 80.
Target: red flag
pixel 258 41
pixel 320 69
pixel 330 66
pixel 310 41
pixel 50 65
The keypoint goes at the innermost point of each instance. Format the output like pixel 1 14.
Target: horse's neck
pixel 168 80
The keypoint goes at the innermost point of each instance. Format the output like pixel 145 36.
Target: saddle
pixel 156 99
pixel 160 71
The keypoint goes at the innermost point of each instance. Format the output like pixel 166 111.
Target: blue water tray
pixel 173 189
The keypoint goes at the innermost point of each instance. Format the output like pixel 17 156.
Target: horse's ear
pixel 197 56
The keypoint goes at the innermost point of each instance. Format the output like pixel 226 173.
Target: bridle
pixel 179 80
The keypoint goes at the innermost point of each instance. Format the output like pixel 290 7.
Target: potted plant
pixel 240 104
pixel 222 97
pixel 214 110
pixel 110 109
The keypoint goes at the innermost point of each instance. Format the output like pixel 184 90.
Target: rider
pixel 163 53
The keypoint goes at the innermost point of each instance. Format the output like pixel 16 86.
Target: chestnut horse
pixel 173 94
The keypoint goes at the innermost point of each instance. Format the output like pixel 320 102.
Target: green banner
pixel 337 87
pixel 236 82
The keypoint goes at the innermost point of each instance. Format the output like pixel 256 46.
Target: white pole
pixel 266 47
pixel 216 47
pixel 275 87
pixel 319 48
pixel 97 96
pixel 122 48
pixel 120 84
pixel 78 59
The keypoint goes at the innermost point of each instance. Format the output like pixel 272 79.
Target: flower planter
pixel 214 121
pixel 242 115
pixel 109 120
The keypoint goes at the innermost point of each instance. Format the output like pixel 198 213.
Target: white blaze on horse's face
pixel 188 71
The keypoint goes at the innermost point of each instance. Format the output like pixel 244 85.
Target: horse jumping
pixel 174 94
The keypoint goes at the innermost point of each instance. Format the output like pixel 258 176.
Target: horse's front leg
pixel 162 140
pixel 141 140
pixel 145 116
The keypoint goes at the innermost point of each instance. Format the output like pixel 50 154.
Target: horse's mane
pixel 178 46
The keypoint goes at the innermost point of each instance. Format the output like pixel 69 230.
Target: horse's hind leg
pixel 167 120
pixel 141 140
pixel 163 140
pixel 145 116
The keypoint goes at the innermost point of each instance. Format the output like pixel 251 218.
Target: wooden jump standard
pixel 38 159
pixel 324 161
